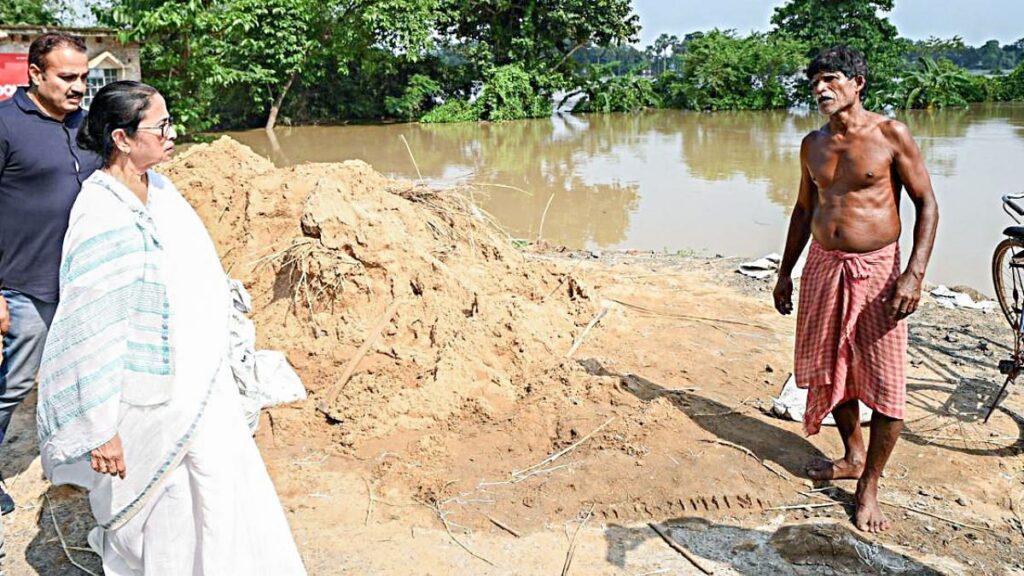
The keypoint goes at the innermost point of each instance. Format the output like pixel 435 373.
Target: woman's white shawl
pixel 111 363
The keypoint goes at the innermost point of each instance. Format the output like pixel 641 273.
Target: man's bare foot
pixel 869 516
pixel 850 467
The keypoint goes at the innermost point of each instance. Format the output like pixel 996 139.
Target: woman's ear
pixel 121 141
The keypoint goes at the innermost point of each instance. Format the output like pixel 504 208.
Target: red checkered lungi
pixel 847 345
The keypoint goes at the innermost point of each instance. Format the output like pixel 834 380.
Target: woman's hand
pixel 109 458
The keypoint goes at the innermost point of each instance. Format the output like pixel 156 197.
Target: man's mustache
pixel 76 94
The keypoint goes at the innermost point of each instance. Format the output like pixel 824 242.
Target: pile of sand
pixel 325 249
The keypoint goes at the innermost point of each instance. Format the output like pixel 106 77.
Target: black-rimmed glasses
pixel 165 127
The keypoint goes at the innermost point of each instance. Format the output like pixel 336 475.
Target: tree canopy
pixel 31 11
pixel 859 24
pixel 231 63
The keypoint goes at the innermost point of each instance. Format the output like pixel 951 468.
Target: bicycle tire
pixel 1009 280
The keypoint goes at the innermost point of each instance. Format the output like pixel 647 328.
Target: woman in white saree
pixel 136 399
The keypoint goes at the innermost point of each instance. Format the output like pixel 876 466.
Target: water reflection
pixel 672 180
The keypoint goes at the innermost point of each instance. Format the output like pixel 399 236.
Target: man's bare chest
pixel 849 166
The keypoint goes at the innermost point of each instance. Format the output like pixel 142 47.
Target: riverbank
pixel 488 431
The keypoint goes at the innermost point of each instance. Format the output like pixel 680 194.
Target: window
pixel 98 78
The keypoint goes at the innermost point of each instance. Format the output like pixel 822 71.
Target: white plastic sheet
pixel 792 402
pixel 952 299
pixel 766 266
pixel 264 377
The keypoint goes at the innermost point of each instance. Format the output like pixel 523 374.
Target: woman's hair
pixel 119 104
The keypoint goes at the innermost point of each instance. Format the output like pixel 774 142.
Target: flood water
pixel 720 183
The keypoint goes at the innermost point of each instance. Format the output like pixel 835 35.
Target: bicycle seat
pixel 1014 232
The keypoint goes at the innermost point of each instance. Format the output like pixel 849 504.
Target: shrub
pixel 510 93
pixel 628 93
pixel 418 94
pixel 453 110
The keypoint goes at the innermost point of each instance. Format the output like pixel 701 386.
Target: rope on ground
pixel 938 516
pixel 751 454
pixel 572 544
pixel 63 542
pixel 653 312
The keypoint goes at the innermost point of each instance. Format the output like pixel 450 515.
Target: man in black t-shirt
pixel 41 172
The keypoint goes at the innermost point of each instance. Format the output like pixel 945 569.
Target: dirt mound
pixel 325 249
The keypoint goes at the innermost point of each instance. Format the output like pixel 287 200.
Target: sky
pixel 976 21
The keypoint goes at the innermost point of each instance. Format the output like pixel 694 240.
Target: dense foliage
pixel 936 84
pixel 989 56
pixel 1012 86
pixel 209 54
pixel 603 91
pixel 31 11
pixel 723 71
pixel 232 63
pixel 855 23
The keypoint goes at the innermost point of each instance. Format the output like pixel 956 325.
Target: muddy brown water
pixel 715 183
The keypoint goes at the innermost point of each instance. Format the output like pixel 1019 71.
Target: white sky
pixel 974 20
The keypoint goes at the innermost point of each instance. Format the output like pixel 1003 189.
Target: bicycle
pixel 1008 280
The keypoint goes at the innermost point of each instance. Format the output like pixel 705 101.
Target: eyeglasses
pixel 165 127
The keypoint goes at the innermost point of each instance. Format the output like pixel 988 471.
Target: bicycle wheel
pixel 1008 278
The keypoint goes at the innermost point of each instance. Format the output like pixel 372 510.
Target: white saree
pixel 159 378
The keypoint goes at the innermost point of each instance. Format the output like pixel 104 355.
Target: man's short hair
pixel 840 59
pixel 49 42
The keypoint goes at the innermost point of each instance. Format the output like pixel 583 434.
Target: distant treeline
pixel 664 54
pixel 234 63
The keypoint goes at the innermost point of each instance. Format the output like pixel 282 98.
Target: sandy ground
pixel 468 443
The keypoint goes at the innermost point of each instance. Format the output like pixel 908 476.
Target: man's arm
pixel 798 235
pixel 914 176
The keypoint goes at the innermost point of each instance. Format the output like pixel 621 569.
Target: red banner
pixel 13 73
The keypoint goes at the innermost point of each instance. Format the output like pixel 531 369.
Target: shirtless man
pixel 851 339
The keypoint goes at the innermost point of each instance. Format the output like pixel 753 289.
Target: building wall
pixel 16 39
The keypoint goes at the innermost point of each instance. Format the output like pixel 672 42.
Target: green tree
pixel 990 56
pixel 31 12
pixel 195 49
pixel 265 45
pixel 180 44
pixel 1018 51
pixel 722 71
pixel 272 42
pixel 537 37
pixel 535 34
pixel 663 48
pixel 935 48
pixel 855 23
pixel 1011 86
pixel 623 59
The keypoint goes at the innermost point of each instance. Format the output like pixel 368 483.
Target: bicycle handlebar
pixel 1009 201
